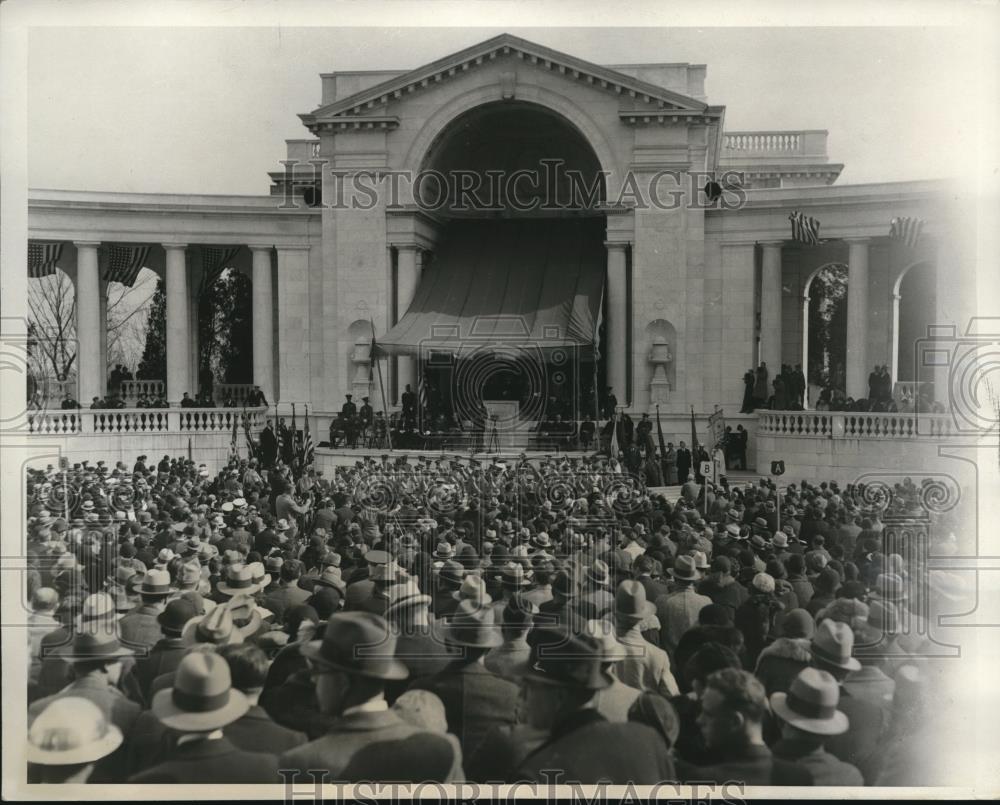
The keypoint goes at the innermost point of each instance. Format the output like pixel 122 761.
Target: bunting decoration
pixel 804 228
pixel 214 260
pixel 123 263
pixel 42 259
pixel 308 448
pixel 906 230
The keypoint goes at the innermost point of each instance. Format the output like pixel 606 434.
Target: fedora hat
pixel 611 648
pixel 164 556
pixel 889 587
pixel 701 560
pixel 282 525
pixel 331 577
pixel 541 540
pixel 598 573
pixel 176 615
pixel 473 589
pixel 631 602
pixel 832 645
pixel 685 569
pixel 444 550
pixel 71 730
pixel 513 575
pixel 472 626
pixel 215 627
pixel 94 643
pixel 452 572
pixel 259 575
pixel 564 584
pixel 357 643
pixel 388 572
pixel 238 581
pixel 780 539
pixel 152 582
pixel 404 596
pixel 97 607
pixel 811 703
pixel 189 574
pixel 569 656
pixel 202 698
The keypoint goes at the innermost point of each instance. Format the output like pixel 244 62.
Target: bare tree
pixel 52 323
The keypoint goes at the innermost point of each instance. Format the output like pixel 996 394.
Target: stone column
pixel 407 278
pixel 770 309
pixel 294 346
pixel 857 318
pixel 263 319
pixel 178 327
pixel 89 365
pixel 102 300
pixel 194 344
pixel 616 327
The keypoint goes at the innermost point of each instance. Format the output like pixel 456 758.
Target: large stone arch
pixel 437 124
pixel 896 299
pixel 806 298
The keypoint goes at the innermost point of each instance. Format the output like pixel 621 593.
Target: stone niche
pixel 661 338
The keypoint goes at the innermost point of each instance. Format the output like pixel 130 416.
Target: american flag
pixel 233 449
pixel 251 447
pixel 123 263
pixel 215 260
pixel 421 399
pixel 804 228
pixel 308 448
pixel 42 259
pixel 906 230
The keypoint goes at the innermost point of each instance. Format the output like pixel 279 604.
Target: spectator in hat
pixel 418 646
pixel 558 694
pixel 350 687
pixel 809 716
pixel 286 594
pixel 826 585
pixel 782 659
pixel 801 585
pixel 509 660
pixel 720 586
pixel 678 610
pixel 614 701
pixel 733 707
pixel 255 731
pixel 832 648
pixel 657 712
pixel 167 652
pixel 646 666
pixel 198 707
pixel 475 699
pixel 95 656
pixel 141 626
pixel 449 582
pixel 596 599
pixel 68 740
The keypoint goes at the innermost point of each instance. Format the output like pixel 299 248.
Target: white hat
pixel 71 730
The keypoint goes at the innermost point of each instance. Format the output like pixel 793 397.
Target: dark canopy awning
pixel 537 281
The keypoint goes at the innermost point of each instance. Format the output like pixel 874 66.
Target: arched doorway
pixel 518 191
pixel 824 330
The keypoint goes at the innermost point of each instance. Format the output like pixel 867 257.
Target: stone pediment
pixel 639 101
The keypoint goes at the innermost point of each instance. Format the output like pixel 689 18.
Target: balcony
pixel 779 158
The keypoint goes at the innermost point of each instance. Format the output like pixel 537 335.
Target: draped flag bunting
pixel 906 230
pixel 214 260
pixel 123 263
pixel 804 228
pixel 42 259
pixel 421 401
pixel 233 449
pixel 293 434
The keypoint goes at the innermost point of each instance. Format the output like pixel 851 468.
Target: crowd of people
pixel 451 619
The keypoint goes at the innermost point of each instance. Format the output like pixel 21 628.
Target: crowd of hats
pixel 211 544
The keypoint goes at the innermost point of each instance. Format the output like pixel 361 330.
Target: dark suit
pixel 216 761
pixel 140 627
pixel 683 464
pixel 165 657
pixel 283 598
pixel 257 732
pixel 350 735
pixel 475 700
pixel 588 749
pixel 755 765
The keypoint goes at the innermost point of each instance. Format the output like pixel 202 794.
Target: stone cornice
pixel 505 45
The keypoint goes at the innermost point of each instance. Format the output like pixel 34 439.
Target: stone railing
pixel 742 144
pixel 145 420
pixel 132 389
pixel 854 425
pixel 238 391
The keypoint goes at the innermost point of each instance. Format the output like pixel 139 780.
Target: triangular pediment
pixel 635 94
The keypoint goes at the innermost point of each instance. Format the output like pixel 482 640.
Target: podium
pixel 507 420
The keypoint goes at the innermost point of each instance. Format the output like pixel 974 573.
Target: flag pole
pixel 381 385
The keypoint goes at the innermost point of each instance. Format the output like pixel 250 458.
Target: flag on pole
pixel 214 260
pixel 659 434
pixel 694 432
pixel 293 434
pixel 308 449
pixel 421 399
pixel 123 263
pixel 804 228
pixel 597 357
pixel 233 449
pixel 42 259
pixel 717 426
pixel 251 447
pixel 906 230
pixel 613 449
